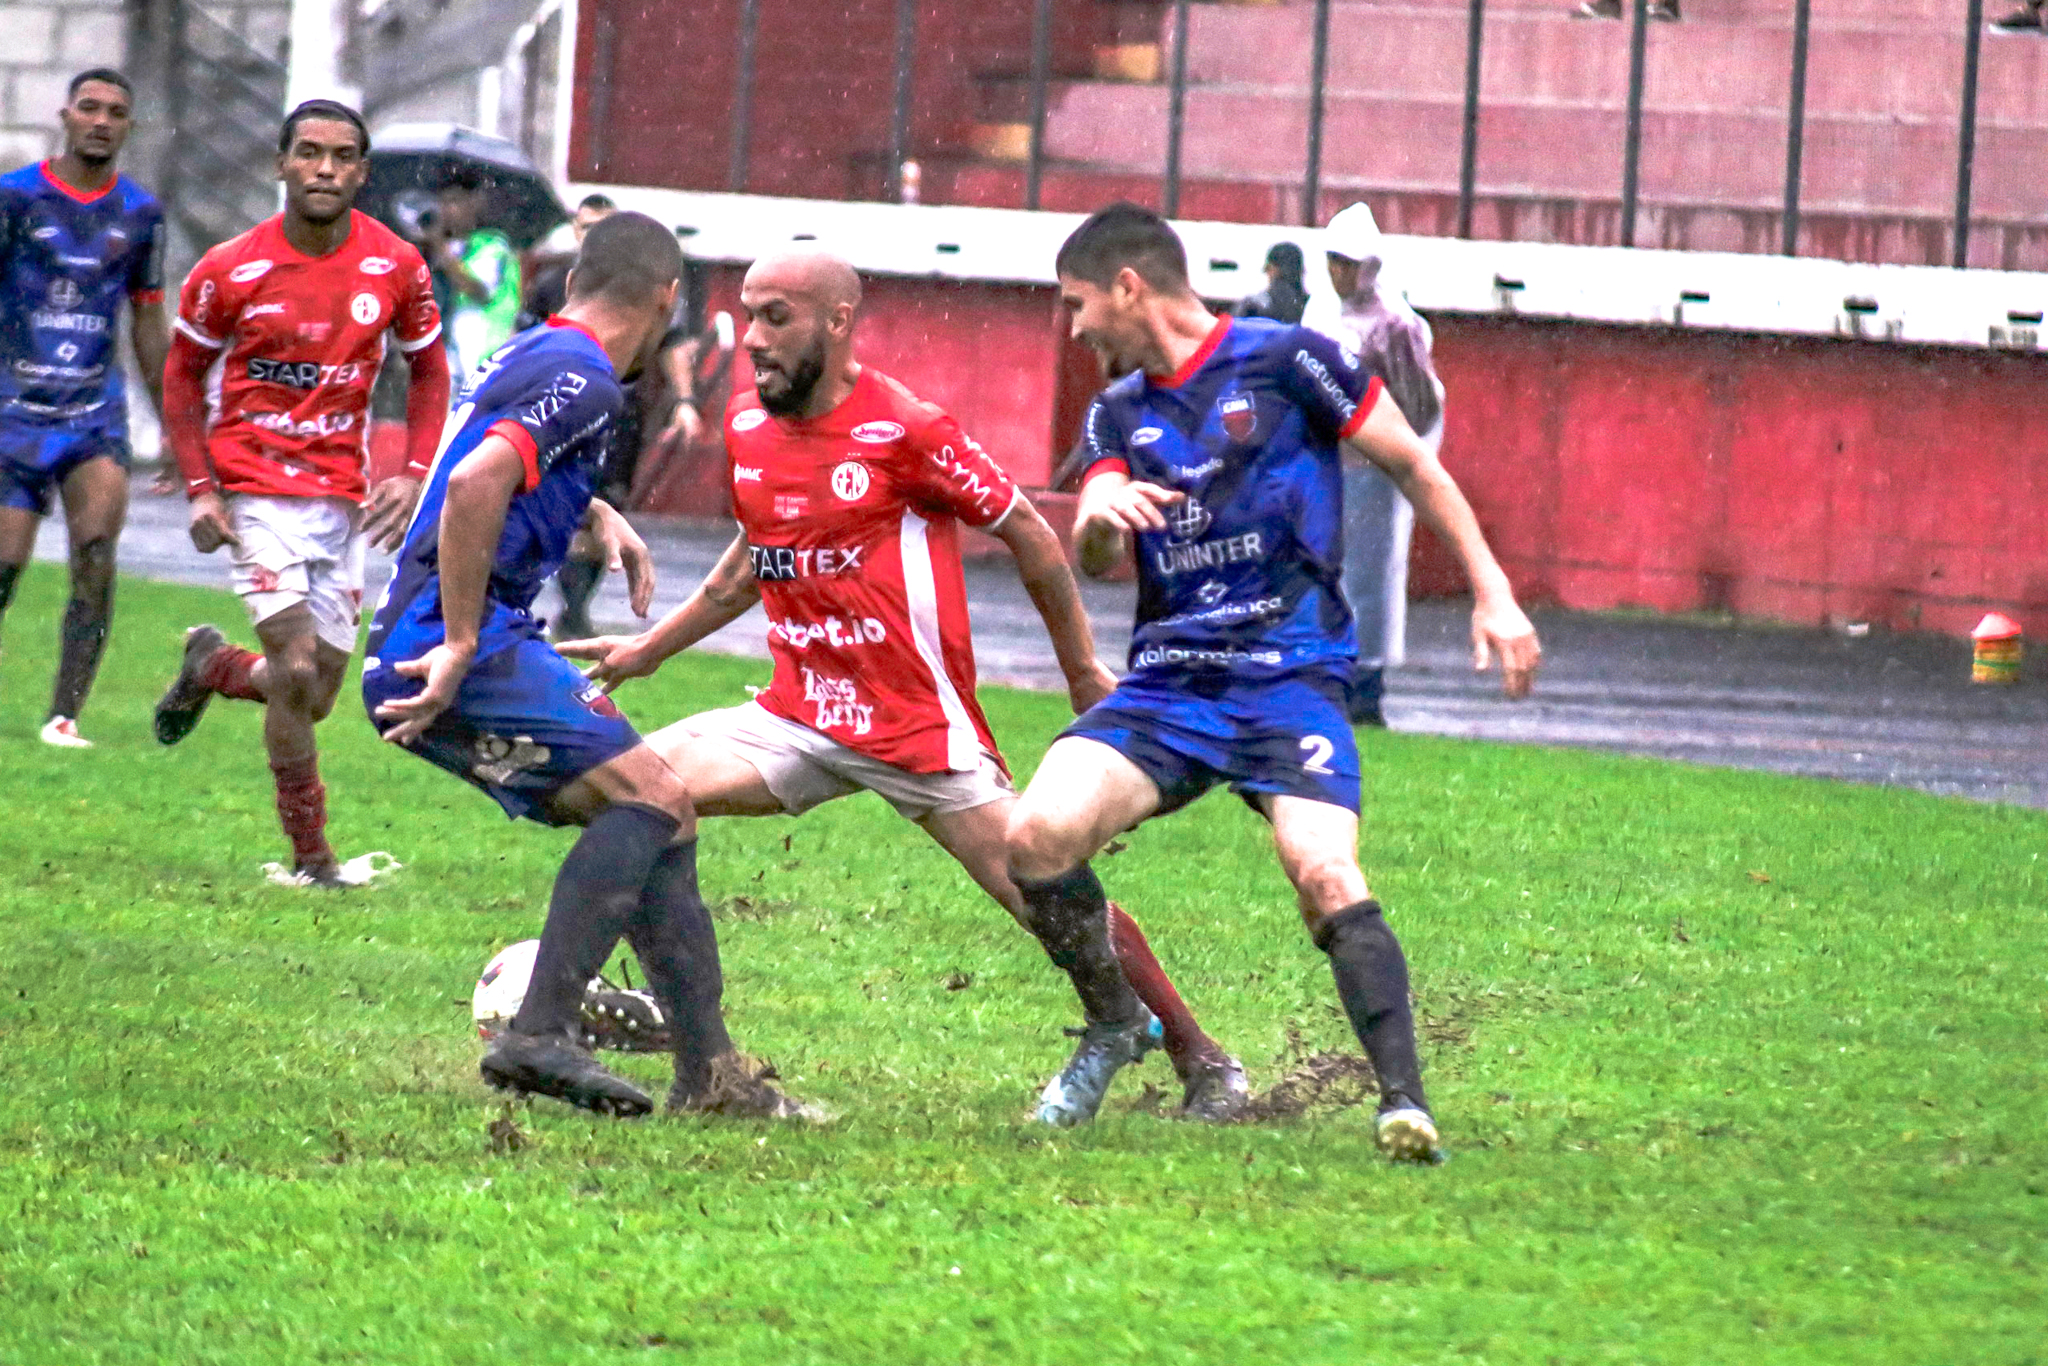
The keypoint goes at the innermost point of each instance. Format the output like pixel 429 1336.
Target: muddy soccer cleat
pixel 1075 1095
pixel 1217 1092
pixel 184 702
pixel 552 1066
pixel 62 732
pixel 1406 1133
pixel 739 1089
pixel 624 1019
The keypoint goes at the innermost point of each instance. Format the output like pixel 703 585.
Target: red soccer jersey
pixel 853 522
pixel 301 341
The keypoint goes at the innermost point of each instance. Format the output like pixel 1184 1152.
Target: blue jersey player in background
pixel 76 240
pixel 458 671
pixel 1221 454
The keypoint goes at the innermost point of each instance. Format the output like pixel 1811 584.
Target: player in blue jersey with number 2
pixel 1220 453
pixel 458 671
pixel 76 240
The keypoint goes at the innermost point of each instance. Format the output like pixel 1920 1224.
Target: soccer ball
pixel 501 989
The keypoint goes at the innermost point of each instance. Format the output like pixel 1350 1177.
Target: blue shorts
pixel 36 460
pixel 526 723
pixel 1287 736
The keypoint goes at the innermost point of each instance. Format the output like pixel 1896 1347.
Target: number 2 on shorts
pixel 1319 751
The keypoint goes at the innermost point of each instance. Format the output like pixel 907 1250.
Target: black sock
pixel 596 896
pixel 86 616
pixel 1070 916
pixel 673 937
pixel 1372 981
pixel 10 574
pixel 578 580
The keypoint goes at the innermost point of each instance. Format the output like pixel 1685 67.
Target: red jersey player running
pixel 280 335
pixel 850 493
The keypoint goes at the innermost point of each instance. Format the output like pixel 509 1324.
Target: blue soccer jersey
pixel 550 391
pixel 1245 579
pixel 67 260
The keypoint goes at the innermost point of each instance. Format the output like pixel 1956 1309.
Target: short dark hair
pixel 106 74
pixel 1286 258
pixel 321 109
pixel 597 201
pixel 1125 234
pixel 626 258
pixel 465 177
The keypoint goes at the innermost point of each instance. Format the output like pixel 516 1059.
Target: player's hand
pixel 443 667
pixel 621 548
pixel 166 482
pixel 685 427
pixel 1091 686
pixel 389 509
pixel 209 524
pixel 617 658
pixel 1134 507
pixel 1504 628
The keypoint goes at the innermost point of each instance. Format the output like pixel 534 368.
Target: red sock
pixel 302 808
pixel 229 671
pixel 1185 1041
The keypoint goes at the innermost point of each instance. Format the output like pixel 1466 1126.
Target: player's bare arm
pixel 388 509
pixel 621 550
pixel 184 413
pixel 150 339
pixel 1498 622
pixel 724 597
pixel 1113 508
pixel 472 521
pixel 1042 569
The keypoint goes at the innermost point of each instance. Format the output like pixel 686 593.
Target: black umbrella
pixel 410 161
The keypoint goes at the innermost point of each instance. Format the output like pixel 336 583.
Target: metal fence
pixel 1312 174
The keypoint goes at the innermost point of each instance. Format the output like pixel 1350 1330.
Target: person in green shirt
pixel 480 269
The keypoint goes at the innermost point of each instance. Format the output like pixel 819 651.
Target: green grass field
pixel 1734 1068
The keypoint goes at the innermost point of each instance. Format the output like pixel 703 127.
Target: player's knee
pixel 1036 847
pixel 1325 884
pixel 295 681
pixel 92 570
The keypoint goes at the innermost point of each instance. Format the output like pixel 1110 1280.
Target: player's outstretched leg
pixel 1070 916
pixel 596 895
pixel 211 668
pixel 677 945
pixel 1214 1089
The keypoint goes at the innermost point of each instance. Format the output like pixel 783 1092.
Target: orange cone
pixel 1999 645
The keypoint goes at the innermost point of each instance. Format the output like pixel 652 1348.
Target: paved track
pixel 1896 710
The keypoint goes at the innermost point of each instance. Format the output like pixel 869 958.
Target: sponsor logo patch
pixel 790 506
pixel 249 270
pixel 377 265
pixel 850 480
pixel 878 433
pixel 63 295
pixel 750 419
pixel 1188 519
pixel 743 474
pixel 781 563
pixel 1145 436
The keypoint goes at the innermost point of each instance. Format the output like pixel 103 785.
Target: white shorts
pixel 804 768
pixel 298 550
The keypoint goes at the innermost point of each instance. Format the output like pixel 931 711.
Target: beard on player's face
pixel 786 384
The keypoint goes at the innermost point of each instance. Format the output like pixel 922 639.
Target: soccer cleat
pixel 739 1089
pixel 326 875
pixel 1217 1092
pixel 553 1066
pixel 1406 1133
pixel 1075 1095
pixel 626 1020
pixel 182 704
pixel 62 732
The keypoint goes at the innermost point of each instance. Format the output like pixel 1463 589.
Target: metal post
pixel 743 96
pixel 1041 65
pixel 1966 141
pixel 1632 144
pixel 1176 101
pixel 1795 119
pixel 1318 78
pixel 899 118
pixel 1468 150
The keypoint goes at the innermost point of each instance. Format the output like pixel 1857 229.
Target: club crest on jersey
pixel 365 309
pixel 878 433
pixel 1240 416
pixel 850 480
pixel 1187 519
pixel 247 271
pixel 750 419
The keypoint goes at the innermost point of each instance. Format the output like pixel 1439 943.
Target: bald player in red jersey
pixel 851 494
pixel 279 338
